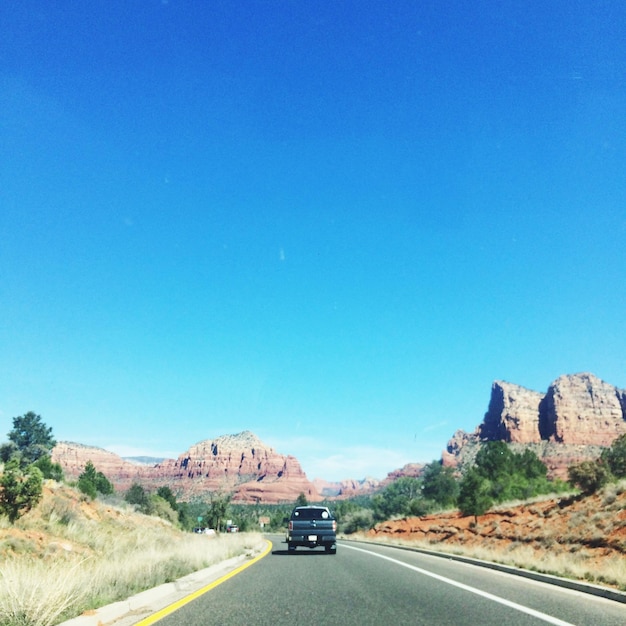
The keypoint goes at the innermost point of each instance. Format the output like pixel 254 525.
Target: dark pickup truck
pixel 310 527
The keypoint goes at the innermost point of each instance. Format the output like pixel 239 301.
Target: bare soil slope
pixel 582 538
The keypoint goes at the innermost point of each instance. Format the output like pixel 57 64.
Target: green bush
pixel 91 482
pixel 475 493
pixel 439 484
pixel 615 457
pixel 31 438
pixel 588 476
pixel 20 490
pixel 359 520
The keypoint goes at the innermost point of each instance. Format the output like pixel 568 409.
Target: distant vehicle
pixel 310 527
pixel 204 531
pixel 232 528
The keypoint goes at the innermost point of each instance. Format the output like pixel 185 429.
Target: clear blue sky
pixel 333 223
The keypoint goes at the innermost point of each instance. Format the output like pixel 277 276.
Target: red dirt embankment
pixel 574 536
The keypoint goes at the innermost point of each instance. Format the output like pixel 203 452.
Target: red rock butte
pixel 238 464
pixel 574 420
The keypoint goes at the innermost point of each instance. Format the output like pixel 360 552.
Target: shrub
pixel 615 457
pixel 474 495
pixel 362 519
pixel 588 476
pixel 20 490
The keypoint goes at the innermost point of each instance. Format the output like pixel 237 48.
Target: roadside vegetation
pixel 71 554
pixel 577 536
pixel 498 475
pixel 69 547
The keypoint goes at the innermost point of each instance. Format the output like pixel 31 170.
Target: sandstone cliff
pixel 238 464
pixel 73 457
pixel 241 464
pixel 574 420
pixel 583 409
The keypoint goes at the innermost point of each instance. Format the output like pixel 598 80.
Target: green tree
pixel 588 476
pixel 474 494
pixel 218 510
pixel 529 465
pixel 137 495
pixel 301 500
pixel 401 497
pixel 91 482
pixel 184 516
pixel 494 459
pixel 168 495
pixel 49 469
pixel 615 457
pixel 32 438
pixel 7 451
pixel 439 484
pixel 104 485
pixel 511 475
pixel 87 487
pixel 20 490
pixel 162 508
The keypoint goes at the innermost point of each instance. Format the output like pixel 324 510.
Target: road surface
pixel 366 584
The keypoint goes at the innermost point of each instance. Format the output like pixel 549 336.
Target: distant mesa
pixel 574 420
pixel 346 488
pixel 144 460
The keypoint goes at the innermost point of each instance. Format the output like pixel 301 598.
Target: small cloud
pixel 281 254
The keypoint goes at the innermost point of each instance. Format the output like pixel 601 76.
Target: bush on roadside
pixel 20 490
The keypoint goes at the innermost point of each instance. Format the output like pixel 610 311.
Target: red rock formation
pixel 412 470
pixel 241 465
pixel 582 409
pixel 346 488
pixel 577 417
pixel 73 457
pixel 513 414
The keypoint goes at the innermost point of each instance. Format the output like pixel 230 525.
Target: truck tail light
pixel 334 526
pixel 290 526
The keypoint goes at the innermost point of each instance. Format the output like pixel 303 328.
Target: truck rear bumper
pixel 311 541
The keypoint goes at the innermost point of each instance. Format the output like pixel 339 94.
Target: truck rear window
pixel 311 514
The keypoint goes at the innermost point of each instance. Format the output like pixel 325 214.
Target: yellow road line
pixel 155 617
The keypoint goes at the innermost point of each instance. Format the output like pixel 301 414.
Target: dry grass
pixel 70 555
pixel 575 565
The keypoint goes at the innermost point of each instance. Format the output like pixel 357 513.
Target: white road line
pixel 513 605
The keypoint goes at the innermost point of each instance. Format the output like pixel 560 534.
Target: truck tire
pixel 291 547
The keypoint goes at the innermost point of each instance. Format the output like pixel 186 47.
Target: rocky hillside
pixel 574 420
pixel 240 464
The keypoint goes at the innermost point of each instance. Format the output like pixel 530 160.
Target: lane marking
pixel 159 615
pixel 513 605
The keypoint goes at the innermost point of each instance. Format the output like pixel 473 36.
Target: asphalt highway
pixel 366 584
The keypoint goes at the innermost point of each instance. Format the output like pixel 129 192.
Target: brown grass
pixel 70 555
